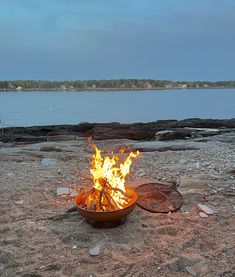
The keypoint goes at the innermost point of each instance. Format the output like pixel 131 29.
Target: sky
pixel 111 39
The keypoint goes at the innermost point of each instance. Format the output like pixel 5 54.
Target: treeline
pixel 110 84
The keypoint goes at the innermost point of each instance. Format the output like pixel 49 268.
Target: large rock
pixel 177 145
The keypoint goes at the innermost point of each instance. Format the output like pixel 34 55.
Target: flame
pixel 111 172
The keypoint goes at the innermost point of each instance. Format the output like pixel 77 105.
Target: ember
pixel 108 176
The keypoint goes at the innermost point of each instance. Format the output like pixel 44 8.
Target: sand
pixel 181 243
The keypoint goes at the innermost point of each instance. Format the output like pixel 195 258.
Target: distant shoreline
pixel 112 89
pixel 111 85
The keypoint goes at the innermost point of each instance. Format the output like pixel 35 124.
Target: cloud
pixel 117 38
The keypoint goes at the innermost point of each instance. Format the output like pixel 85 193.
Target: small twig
pixel 84 177
pixel 75 186
pixel 54 217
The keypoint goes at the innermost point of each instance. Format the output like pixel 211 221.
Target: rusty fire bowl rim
pixel 106 216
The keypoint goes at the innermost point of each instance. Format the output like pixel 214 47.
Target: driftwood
pixel 58 216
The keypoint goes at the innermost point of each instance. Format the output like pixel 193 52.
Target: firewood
pixel 106 195
pixel 117 189
pixel 80 196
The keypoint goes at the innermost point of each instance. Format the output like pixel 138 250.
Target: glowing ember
pixel 109 174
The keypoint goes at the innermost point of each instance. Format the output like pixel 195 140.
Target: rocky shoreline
pixel 182 129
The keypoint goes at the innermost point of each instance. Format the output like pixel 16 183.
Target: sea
pixel 40 108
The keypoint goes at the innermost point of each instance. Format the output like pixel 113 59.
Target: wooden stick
pixel 120 190
pixel 107 197
pixel 100 200
pixel 114 202
pixel 75 186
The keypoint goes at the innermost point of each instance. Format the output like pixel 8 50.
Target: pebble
pixel 10 174
pixel 191 271
pixel 48 161
pixel 65 191
pixel 202 214
pixel 20 202
pixel 62 191
pixel 95 251
pixel 205 209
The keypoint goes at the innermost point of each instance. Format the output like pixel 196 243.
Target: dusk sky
pixel 105 39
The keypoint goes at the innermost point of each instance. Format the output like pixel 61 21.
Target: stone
pixel 233 186
pixel 63 191
pixel 19 202
pixel 191 271
pixel 172 134
pixel 177 145
pixel 48 161
pixel 205 209
pixel 195 184
pixel 202 214
pixel 95 251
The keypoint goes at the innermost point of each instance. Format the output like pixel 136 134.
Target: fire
pixel 108 175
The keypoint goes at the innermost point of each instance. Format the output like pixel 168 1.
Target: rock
pixel 65 191
pixel 177 145
pixel 173 134
pixel 205 209
pixel 9 174
pixel 95 251
pixel 20 202
pixel 48 161
pixel 232 170
pixel 191 271
pixel 233 186
pixel 62 191
pixel 202 214
pixel 190 185
pixel 114 130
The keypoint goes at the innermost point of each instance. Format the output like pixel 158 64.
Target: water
pixel 49 108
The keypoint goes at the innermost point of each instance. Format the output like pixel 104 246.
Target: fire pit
pixel 107 216
pixel 108 200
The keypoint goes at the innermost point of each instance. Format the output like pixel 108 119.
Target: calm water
pixel 46 108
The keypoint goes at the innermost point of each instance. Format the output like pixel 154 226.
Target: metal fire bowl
pixel 109 216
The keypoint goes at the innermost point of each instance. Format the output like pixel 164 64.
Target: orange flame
pixel 111 172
